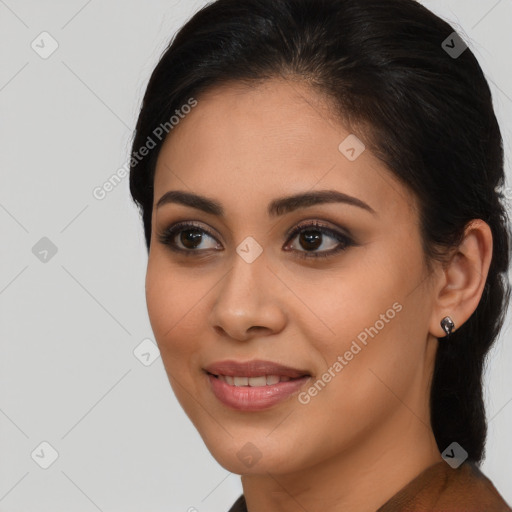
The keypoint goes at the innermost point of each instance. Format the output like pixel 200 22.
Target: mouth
pixel 262 380
pixel 254 385
pixel 254 373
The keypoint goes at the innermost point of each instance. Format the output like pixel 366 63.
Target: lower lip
pixel 248 398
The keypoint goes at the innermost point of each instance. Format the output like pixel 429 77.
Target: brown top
pixel 439 488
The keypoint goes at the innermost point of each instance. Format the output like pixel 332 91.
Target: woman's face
pixel 344 304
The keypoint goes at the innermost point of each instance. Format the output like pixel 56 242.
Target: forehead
pixel 270 139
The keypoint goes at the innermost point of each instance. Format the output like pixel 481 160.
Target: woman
pixel 328 250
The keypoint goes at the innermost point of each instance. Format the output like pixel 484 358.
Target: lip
pixel 257 398
pixel 254 368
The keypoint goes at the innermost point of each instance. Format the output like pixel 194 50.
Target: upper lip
pixel 254 368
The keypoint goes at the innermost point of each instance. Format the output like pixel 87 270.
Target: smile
pixel 253 385
pixel 263 380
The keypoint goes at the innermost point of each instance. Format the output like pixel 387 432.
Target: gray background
pixel 70 324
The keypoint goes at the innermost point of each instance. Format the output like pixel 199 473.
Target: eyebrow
pixel 276 207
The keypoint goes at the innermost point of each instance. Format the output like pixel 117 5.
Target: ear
pixel 463 278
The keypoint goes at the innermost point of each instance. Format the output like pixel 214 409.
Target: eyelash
pixel 168 235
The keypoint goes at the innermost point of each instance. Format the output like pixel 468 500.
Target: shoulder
pixel 439 489
pixel 443 489
pixel 472 487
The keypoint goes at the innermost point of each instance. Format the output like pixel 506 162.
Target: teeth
pixel 272 379
pixel 263 380
pixel 257 381
pixel 241 381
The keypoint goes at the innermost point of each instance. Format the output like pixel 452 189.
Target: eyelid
pixel 169 233
pixel 320 223
pixel 342 235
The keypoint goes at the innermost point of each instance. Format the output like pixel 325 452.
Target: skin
pixel 367 433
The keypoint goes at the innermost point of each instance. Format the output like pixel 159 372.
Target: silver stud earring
pixel 447 325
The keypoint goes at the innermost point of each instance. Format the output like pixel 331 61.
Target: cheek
pixel 174 308
pixel 360 303
pixel 174 305
pixel 374 315
pixel 365 382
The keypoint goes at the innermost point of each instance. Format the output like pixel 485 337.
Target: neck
pixel 360 479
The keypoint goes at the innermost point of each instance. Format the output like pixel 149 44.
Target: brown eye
pixel 312 237
pixel 190 238
pixel 311 240
pixel 187 238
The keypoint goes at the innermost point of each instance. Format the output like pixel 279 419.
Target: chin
pixel 248 459
pixel 253 454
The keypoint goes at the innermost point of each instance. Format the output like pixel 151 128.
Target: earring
pixel 447 325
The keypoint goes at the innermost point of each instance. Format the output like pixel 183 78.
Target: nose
pixel 249 301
